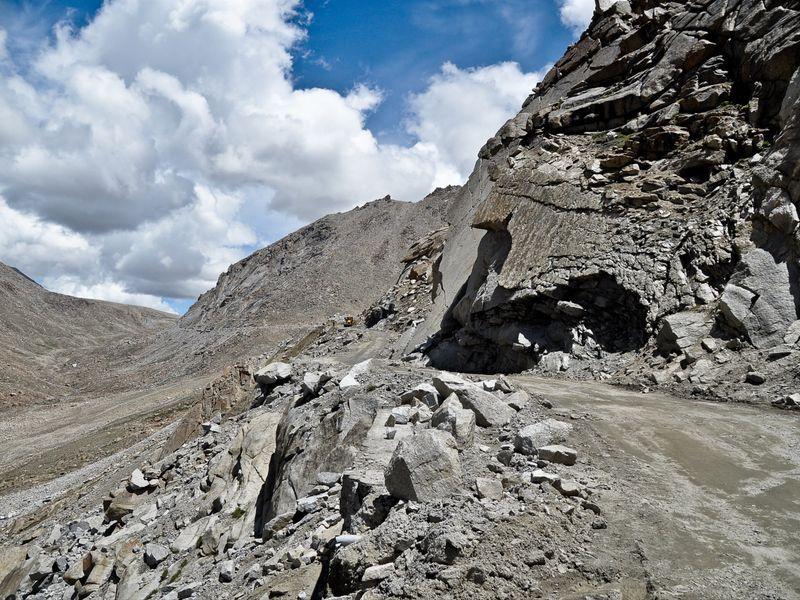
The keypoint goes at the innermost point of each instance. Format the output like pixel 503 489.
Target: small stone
pixel 155 554
pixel 755 378
pixel 709 345
pixel 226 571
pixel 377 573
pixel 488 488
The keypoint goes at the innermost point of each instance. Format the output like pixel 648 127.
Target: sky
pixel 145 145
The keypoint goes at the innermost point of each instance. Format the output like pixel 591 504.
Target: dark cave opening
pixel 589 317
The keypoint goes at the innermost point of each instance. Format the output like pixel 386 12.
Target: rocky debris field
pixel 359 482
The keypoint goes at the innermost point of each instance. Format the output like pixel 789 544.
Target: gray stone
pixel 558 454
pixel 274 373
pixel 758 299
pixel 544 433
pixel 488 488
pixel 424 393
pixel 227 569
pixel 489 410
pixel 377 573
pixel 424 467
pixel 452 417
pixel 154 554
pixel 517 400
pixel 683 330
pixel 328 478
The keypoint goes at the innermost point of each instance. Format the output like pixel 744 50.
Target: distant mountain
pixel 43 334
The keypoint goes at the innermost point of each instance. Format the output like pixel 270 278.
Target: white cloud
pixel 576 14
pixel 111 291
pixel 462 108
pixel 3 39
pixel 164 138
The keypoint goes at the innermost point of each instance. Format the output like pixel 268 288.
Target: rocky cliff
pixel 642 201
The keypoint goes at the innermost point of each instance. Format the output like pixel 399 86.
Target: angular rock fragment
pixel 452 417
pixel 544 433
pixel 274 373
pixel 489 410
pixel 558 454
pixel 424 467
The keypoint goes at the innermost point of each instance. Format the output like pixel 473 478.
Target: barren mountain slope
pixel 341 263
pixel 640 212
pixel 42 334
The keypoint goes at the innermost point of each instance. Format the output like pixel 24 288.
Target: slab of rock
pixel 544 433
pixel 155 554
pixel 452 417
pixel 562 455
pixel 517 400
pixel 683 330
pixel 425 393
pixel 489 410
pixel 424 467
pixel 758 301
pixel 274 373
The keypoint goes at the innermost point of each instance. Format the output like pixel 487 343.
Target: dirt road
pixel 706 496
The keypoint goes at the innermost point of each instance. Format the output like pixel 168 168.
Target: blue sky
pixel 148 176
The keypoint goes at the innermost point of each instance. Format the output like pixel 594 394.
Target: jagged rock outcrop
pixel 653 172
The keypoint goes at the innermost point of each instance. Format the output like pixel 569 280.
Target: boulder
pixel 543 433
pixel 452 417
pixel 313 381
pixel 489 410
pixel 683 330
pixel 137 481
pixel 424 393
pixel 351 379
pixel 424 467
pixel 517 400
pixel 227 569
pixel 274 373
pixel 758 301
pixel 558 454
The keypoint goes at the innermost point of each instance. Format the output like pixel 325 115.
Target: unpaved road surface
pixel 706 496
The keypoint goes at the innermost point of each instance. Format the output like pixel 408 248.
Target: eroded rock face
pixel 653 172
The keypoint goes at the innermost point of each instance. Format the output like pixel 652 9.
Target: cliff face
pixel 643 199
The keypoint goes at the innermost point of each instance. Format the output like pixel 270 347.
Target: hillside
pixel 339 264
pixel 43 334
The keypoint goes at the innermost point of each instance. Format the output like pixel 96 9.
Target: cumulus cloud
pixel 576 14
pixel 152 148
pixel 483 98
